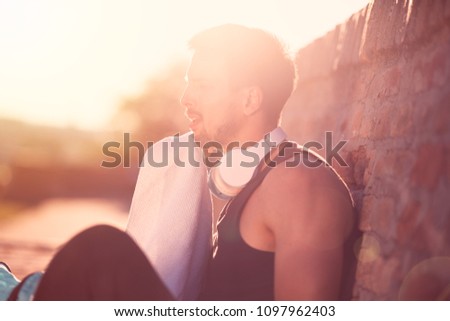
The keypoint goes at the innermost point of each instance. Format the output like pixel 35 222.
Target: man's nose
pixel 186 98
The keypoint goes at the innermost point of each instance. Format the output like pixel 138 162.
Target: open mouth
pixel 194 119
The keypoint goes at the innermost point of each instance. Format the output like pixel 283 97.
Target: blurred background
pixel 75 75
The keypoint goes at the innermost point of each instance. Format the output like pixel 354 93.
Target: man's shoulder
pixel 305 178
pixel 307 200
pixel 302 168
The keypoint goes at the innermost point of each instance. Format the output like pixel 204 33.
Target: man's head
pixel 238 82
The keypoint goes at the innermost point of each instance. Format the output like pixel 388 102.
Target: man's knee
pixel 101 230
pixel 99 237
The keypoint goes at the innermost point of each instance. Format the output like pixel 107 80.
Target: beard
pixel 224 132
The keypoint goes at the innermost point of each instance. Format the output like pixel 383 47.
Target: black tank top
pixel 238 272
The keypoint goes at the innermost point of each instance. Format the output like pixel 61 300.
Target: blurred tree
pixel 156 113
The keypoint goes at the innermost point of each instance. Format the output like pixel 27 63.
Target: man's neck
pixel 249 136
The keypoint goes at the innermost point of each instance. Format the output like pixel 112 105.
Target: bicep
pixel 309 253
pixel 307 273
pixel 310 228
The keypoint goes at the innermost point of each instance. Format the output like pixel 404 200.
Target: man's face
pixel 211 104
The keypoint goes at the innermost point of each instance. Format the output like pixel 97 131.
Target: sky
pixel 71 62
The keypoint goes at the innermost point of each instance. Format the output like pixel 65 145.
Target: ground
pixel 30 238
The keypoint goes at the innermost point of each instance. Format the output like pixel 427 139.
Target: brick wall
pixel 381 82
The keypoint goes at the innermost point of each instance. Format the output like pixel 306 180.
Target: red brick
pixel 419 79
pixel 446 240
pixel 362 17
pixel 383 218
pixel 417 24
pixel 379 276
pixel 384 15
pixel 408 222
pixel 447 9
pixel 393 164
pixel 431 70
pixel 402 18
pixel 369 262
pixel 349 41
pixel 441 119
pixel 382 124
pixel 364 275
pixel 437 67
pixel 448 166
pixel 434 233
pixel 358 161
pixel 367 176
pixel 370 250
pixel 385 186
pixel 429 166
pixel 426 237
pixel 386 83
pixel 367 123
pixel 359 84
pixel 436 14
pixel 366 213
pixel 392 20
pixel 402 117
pixel 367 48
pixel 368 173
pixel 392 78
pixel 390 272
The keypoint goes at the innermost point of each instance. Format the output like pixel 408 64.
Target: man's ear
pixel 253 100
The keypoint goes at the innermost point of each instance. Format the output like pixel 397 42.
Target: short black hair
pixel 254 57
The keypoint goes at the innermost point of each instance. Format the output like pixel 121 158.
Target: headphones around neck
pixel 237 167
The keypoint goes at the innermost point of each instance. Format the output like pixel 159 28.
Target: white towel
pixel 170 216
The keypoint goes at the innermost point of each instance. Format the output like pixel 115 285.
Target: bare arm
pixel 310 216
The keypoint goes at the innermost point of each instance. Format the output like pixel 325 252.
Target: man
pixel 291 234
pixel 287 233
